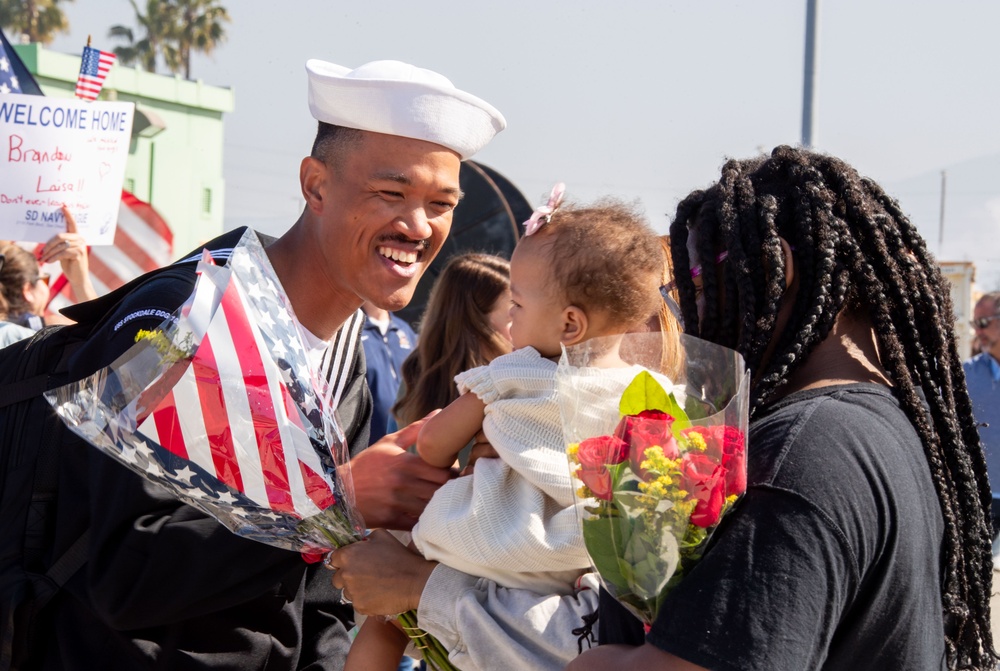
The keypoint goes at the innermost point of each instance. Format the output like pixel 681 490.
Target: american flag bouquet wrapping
pixel 220 406
pixel 658 462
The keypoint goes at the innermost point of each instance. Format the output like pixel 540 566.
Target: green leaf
pixel 603 537
pixel 643 393
pixel 681 420
pixel 630 503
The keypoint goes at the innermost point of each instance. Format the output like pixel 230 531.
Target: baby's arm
pixel 446 433
pixel 379 646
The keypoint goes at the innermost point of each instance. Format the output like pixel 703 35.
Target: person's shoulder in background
pixel 10 333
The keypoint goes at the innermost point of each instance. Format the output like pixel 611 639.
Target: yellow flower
pixel 696 441
pixel 170 352
pixel 655 489
pixel 655 460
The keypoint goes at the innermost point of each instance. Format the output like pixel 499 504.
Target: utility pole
pixel 809 78
pixel 944 178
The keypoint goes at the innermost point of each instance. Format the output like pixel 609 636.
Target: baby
pixel 579 273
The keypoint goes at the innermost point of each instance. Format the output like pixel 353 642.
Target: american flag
pixel 9 82
pixel 232 414
pixel 94 67
pixel 143 242
pixel 231 418
pixel 15 74
pixel 222 408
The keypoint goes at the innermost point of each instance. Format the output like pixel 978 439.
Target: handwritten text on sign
pixel 61 151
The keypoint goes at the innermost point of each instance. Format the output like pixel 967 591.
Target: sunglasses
pixel 982 322
pixel 42 277
pixel 695 272
pixel 666 289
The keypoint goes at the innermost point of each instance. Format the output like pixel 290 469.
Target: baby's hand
pixel 481 449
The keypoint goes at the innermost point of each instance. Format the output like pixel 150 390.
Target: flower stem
pixel 434 653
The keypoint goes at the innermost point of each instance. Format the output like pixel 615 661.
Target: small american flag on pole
pixel 94 67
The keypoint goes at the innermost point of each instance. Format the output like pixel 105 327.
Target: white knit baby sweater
pixel 514 520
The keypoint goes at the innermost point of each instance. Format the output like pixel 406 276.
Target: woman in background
pixel 11 284
pixel 466 324
pixel 24 288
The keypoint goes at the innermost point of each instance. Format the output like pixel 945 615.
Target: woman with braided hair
pixel 863 541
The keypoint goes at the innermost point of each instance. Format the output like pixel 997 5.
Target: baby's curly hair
pixel 606 259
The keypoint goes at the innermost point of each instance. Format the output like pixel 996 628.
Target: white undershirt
pixel 315 348
pixel 381 324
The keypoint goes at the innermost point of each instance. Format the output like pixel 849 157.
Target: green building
pixel 175 158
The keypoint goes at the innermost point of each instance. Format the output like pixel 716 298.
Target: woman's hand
pixel 380 575
pixel 70 250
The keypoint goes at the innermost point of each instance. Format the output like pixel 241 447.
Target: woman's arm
pixel 445 434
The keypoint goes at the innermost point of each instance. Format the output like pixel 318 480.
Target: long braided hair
pixel 854 249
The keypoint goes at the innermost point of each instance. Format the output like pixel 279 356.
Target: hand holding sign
pixel 70 250
pixel 68 246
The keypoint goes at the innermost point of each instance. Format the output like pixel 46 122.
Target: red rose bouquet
pixel 660 462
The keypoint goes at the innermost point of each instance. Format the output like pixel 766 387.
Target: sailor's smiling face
pixel 387 210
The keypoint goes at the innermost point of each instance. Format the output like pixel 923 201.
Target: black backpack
pixel 31 440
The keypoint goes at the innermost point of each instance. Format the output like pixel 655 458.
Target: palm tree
pixel 200 29
pixel 159 24
pixel 40 20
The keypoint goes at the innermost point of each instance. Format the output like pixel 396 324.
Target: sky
pixel 643 100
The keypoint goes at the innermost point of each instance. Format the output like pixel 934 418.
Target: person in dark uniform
pixel 387 340
pixel 167 587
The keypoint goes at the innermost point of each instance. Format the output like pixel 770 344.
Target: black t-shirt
pixel 166 586
pixel 832 558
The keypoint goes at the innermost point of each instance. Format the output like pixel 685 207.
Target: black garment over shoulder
pixel 832 559
pixel 167 587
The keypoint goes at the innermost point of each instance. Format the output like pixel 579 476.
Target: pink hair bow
pixel 543 213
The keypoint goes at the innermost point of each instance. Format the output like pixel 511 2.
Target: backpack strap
pixel 64 568
pixel 27 388
pixel 24 389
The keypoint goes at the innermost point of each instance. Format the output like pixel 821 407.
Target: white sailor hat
pixel 400 99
